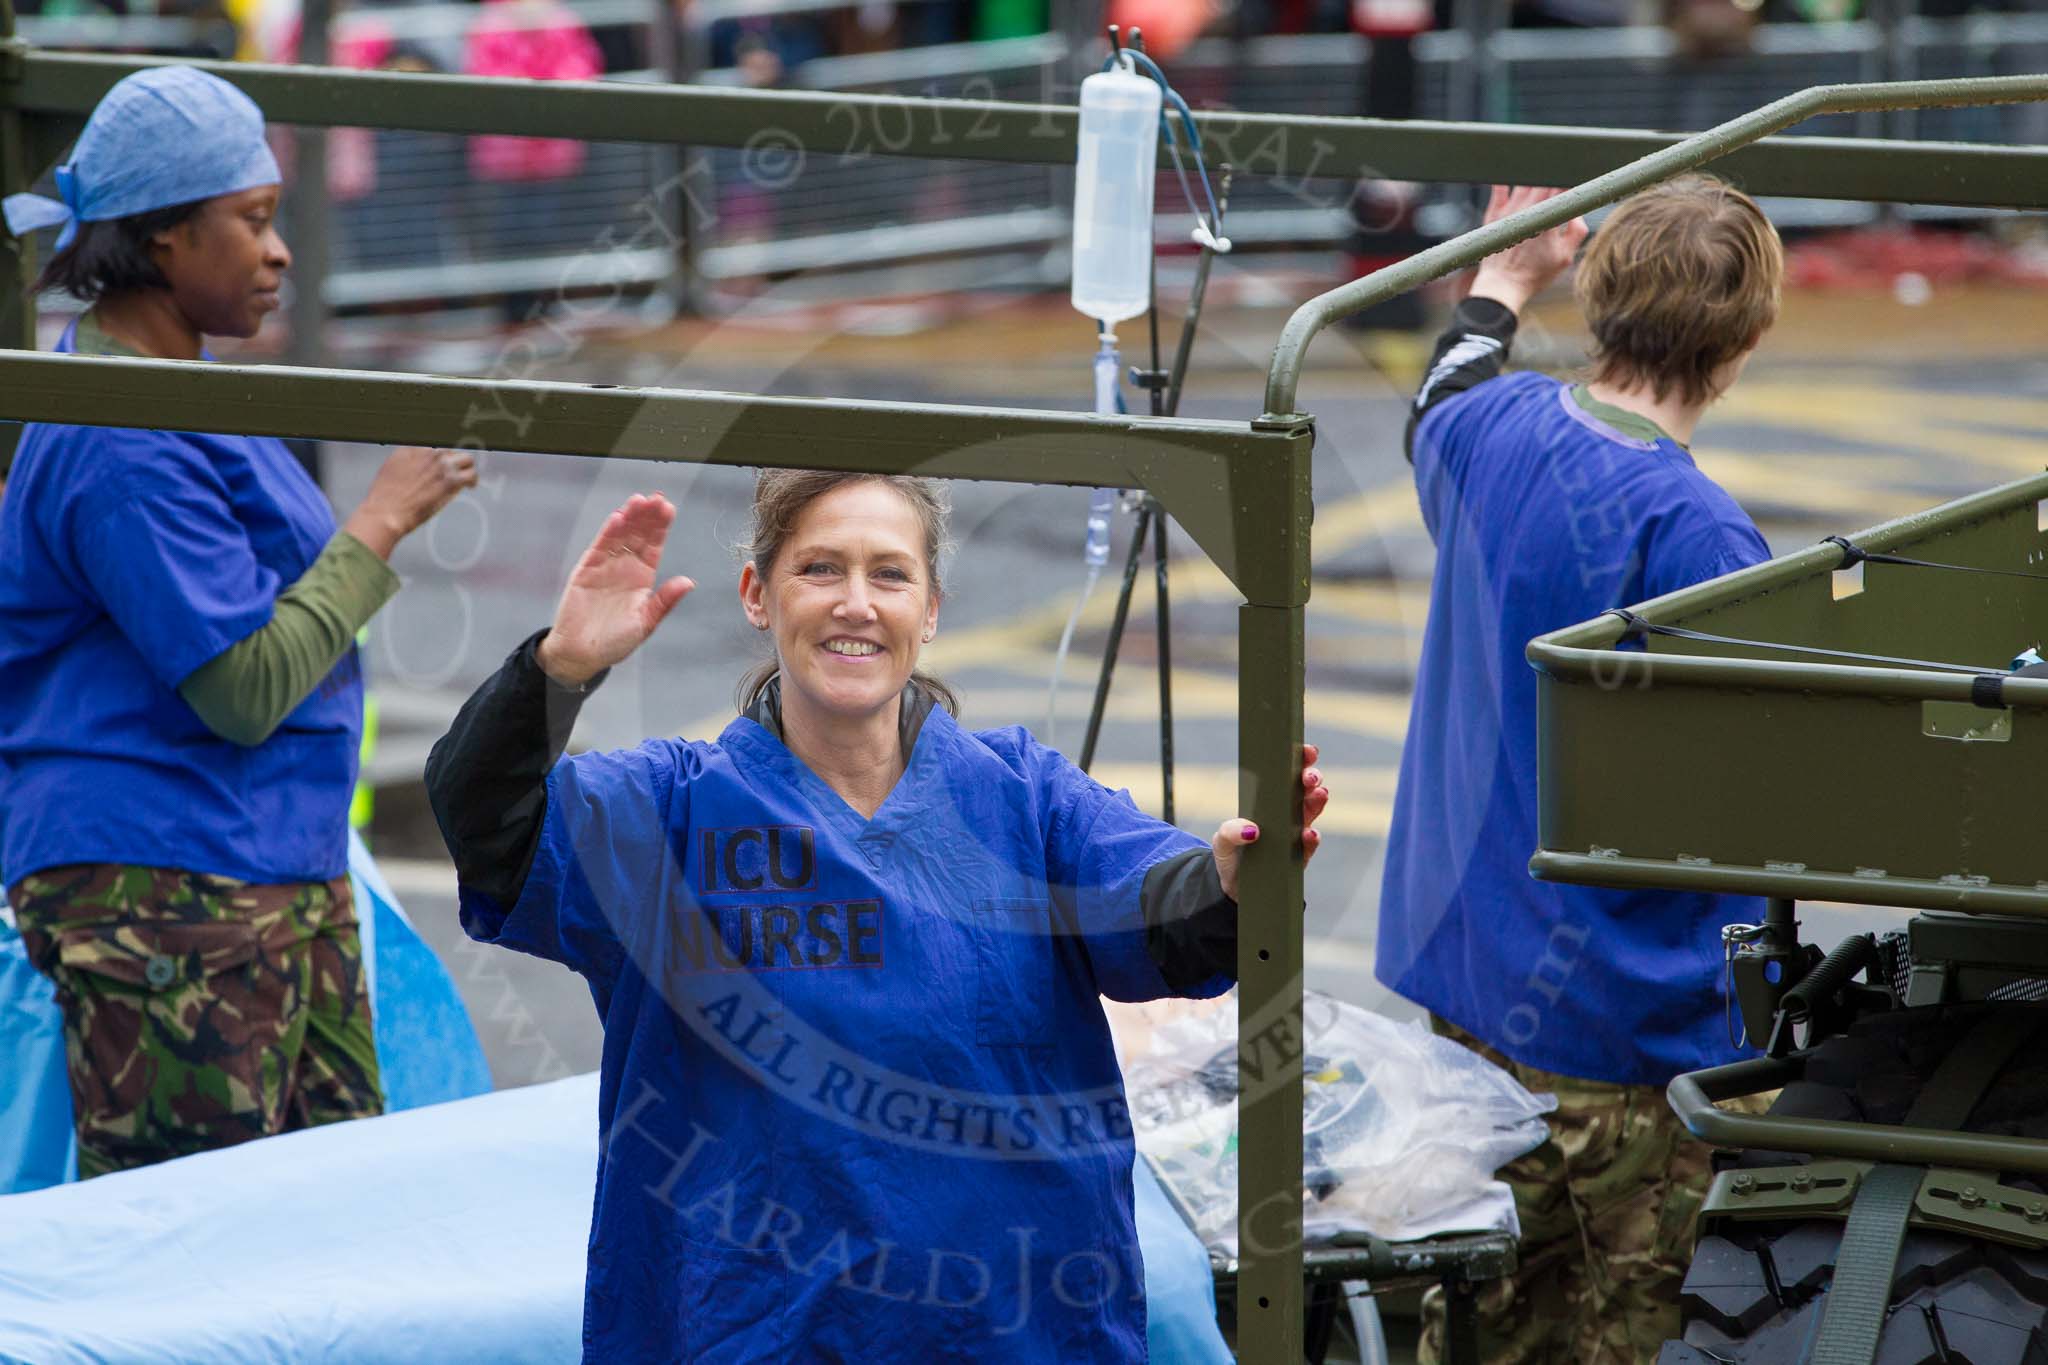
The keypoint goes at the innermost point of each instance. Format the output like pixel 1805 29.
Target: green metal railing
pixel 1712 145
pixel 1241 489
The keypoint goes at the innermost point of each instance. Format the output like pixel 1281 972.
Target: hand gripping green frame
pixel 1242 490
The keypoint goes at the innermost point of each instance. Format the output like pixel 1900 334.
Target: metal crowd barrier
pixel 423 226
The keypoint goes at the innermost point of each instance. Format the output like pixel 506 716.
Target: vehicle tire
pixel 1755 1291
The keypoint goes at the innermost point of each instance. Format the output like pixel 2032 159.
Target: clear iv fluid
pixel 1113 182
pixel 1102 505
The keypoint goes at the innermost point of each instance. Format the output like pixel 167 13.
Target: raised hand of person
pixel 413 484
pixel 1516 275
pixel 613 601
pixel 1232 836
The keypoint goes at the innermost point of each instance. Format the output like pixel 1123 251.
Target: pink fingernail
pixel 1251 833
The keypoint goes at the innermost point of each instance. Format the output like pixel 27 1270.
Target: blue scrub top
pixel 1543 517
pixel 858 1099
pixel 128 559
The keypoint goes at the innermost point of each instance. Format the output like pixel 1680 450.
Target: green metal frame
pixel 1241 489
pixel 1696 1097
pixel 1970 1202
pixel 1802 761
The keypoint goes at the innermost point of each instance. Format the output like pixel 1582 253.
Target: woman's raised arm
pixel 487 778
pixel 613 601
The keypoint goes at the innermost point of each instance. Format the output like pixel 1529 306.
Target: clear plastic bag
pixel 1402 1131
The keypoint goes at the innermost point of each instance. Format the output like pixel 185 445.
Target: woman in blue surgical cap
pixel 180 697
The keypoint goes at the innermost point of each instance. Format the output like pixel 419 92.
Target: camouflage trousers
pixel 1607 1208
pixel 200 1011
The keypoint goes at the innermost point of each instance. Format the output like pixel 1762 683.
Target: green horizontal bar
pixel 1628 669
pixel 1284 375
pixel 1692 1098
pixel 1585 651
pixel 828 128
pixel 1657 874
pixel 1215 477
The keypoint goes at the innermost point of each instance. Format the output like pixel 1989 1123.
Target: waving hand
pixel 613 601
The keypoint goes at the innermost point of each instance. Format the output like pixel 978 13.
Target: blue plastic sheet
pixel 35 1099
pixel 427 1048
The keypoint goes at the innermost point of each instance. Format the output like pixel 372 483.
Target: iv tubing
pixel 1193 136
pixel 1101 507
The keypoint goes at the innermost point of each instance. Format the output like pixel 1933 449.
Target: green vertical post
pixel 1271 654
pixel 17 258
pixel 1269 972
pixel 309 212
pixel 677 53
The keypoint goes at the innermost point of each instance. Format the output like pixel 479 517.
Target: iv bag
pixel 1113 181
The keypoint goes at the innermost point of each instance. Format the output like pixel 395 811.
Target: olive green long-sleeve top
pixel 244 692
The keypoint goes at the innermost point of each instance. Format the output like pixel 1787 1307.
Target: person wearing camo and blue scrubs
pixel 1551 501
pixel 180 694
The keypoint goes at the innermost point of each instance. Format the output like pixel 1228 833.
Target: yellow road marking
pixel 1205 794
pixel 1196 696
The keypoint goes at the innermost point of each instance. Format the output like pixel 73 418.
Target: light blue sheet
pixel 1180 1288
pixel 427 1049
pixel 445 1234
pixel 449 1233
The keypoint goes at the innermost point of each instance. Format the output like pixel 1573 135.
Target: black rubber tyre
pixel 1755 1291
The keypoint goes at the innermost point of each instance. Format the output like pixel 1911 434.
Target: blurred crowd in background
pixel 417 218
pixel 556 39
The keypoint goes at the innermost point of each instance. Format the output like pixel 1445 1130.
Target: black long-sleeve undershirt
pixel 1472 349
pixel 487 783
pixel 487 778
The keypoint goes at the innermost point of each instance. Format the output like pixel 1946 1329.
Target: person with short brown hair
pixel 1678 288
pixel 1551 502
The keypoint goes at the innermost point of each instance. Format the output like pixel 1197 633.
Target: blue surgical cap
pixel 166 136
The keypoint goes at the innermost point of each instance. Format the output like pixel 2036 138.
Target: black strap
pixel 1638 627
pixel 1860 1295
pixel 1853 554
pixel 1970 1067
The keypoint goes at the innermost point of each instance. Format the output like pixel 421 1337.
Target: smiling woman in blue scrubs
pixel 180 699
pixel 858 1100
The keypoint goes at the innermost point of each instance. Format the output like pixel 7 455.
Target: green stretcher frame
pixel 1793 764
pixel 1241 489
